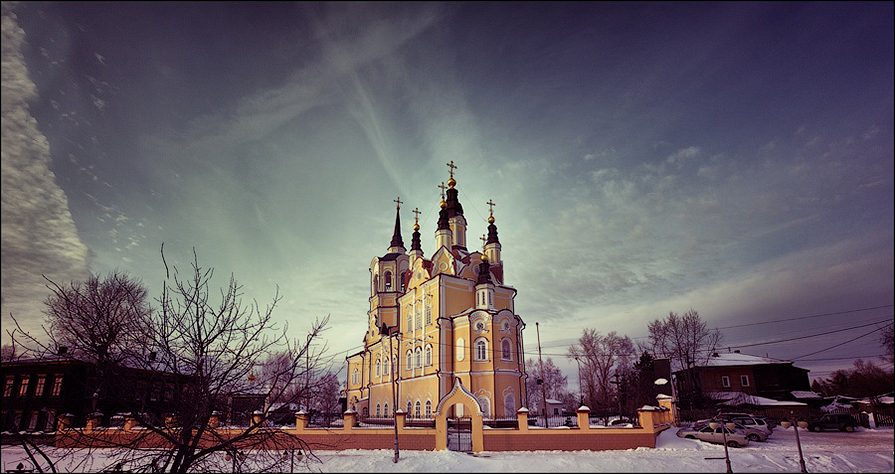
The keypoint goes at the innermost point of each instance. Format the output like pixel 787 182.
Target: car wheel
pixel 733 444
pixel 816 429
pixel 754 437
pixel 850 428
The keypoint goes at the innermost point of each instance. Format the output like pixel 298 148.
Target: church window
pixel 481 349
pixel 409 407
pixel 376 284
pixel 385 367
pixel 403 285
pixel 429 355
pixel 428 314
pixel 460 349
pixel 428 409
pixel 388 281
pixel 485 403
pixel 419 357
pixel 377 368
pixel 416 410
pixel 409 360
pixel 509 406
pixel 385 410
pixel 419 317
pixel 506 351
pixel 366 412
pixel 355 377
pixel 378 412
pixel 409 320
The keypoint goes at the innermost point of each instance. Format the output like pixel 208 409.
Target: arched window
pixel 355 377
pixel 461 350
pixel 481 349
pixel 419 357
pixel 429 354
pixel 506 350
pixel 385 414
pixel 409 360
pixel 366 413
pixel 485 402
pixel 428 409
pixel 388 281
pixel 409 320
pixel 409 407
pixel 509 406
pixel 416 410
pixel 428 312
pixel 375 284
pixel 378 412
pixel 378 368
pixel 403 285
pixel 419 316
pixel 385 367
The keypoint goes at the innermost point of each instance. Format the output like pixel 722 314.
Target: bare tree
pixel 602 356
pixel 687 342
pixel 8 353
pixel 887 339
pixel 191 355
pixel 553 379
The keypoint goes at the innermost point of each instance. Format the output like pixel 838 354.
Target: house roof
pixel 737 358
pixel 801 394
pixel 741 398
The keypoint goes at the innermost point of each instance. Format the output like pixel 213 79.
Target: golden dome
pixel 452 182
pixel 416 226
pixel 443 204
pixel 491 219
pixel 484 258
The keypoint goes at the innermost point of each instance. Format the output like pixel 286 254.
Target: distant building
pixel 752 375
pixel 36 392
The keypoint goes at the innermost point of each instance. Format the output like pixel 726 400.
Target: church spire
pixel 397 245
pixel 415 245
pixel 492 244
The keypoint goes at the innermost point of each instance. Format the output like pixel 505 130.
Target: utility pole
pixel 618 393
pixel 394 363
pixel 541 380
pixel 580 387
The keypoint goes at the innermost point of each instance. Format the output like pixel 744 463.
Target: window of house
pixel 385 410
pixel 378 410
pixel 428 409
pixel 7 386
pixel 378 368
pixel 419 357
pixel 51 421
pixel 744 380
pixel 23 386
pixel 509 405
pixel 366 412
pixel 409 360
pixel 57 386
pixel 481 349
pixel 485 403
pixel 429 355
pixel 409 320
pixel 32 422
pixel 417 413
pixel 355 377
pixel 409 407
pixel 386 367
pixel 428 313
pixel 41 383
pixel 725 381
pixel 419 317
pixel 388 281
pixel 506 350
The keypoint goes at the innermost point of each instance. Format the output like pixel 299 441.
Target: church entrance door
pixel 459 434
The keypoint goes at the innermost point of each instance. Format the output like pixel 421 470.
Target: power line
pixel 807 317
pixel 812 335
pixel 837 345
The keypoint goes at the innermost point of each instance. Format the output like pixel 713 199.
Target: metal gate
pixel 459 434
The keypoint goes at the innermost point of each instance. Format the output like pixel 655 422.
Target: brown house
pixel 753 375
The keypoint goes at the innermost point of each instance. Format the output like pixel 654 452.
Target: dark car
pixel 833 421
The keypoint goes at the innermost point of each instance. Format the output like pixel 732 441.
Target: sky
pixel 866 450
pixel 731 158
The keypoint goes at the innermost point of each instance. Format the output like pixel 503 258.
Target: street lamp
pixel 714 424
pixel 801 424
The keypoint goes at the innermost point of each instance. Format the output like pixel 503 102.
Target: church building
pixel 437 321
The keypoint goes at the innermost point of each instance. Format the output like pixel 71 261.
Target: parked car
pixel 735 438
pixel 833 421
pixel 753 433
pixel 747 420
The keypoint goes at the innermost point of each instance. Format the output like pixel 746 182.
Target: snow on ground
pixel 862 451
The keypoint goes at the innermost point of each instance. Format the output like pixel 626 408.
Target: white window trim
pixel 725 381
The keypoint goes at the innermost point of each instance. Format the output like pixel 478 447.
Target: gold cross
pixel 484 239
pixel 398 201
pixel 442 186
pixel 490 206
pixel 452 166
pixel 416 211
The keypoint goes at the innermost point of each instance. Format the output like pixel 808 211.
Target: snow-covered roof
pixel 737 358
pixel 554 402
pixel 742 398
pixel 802 394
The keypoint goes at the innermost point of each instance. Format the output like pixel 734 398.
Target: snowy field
pixel 862 451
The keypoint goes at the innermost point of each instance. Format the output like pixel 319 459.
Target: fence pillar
pixel 130 421
pixel 400 419
pixel 522 416
pixel 65 421
pixel 349 417
pixel 93 420
pixel 301 420
pixel 583 418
